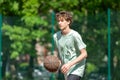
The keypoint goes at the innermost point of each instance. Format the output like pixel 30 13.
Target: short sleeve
pixel 79 42
pixel 55 40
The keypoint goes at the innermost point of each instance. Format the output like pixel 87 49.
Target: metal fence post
pixel 53 23
pixel 0 47
pixel 52 50
pixel 109 47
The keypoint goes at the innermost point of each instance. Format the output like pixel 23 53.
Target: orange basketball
pixel 51 63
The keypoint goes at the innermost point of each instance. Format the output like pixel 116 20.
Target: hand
pixel 65 68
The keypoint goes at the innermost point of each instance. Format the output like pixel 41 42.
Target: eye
pixel 61 20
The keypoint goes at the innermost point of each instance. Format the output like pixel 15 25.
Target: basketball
pixel 51 63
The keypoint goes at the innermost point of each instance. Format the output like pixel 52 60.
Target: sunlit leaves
pixel 32 20
pixel 15 6
pixel 14 54
pixel 15 32
pixel 30 7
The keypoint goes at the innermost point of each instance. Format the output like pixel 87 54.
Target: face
pixel 63 24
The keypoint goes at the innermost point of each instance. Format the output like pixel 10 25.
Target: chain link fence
pixel 93 29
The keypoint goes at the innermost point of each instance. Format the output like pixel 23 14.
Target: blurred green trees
pixel 33 23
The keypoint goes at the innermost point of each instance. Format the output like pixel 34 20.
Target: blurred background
pixel 26 33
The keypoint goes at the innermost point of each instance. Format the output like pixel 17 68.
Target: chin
pixel 61 28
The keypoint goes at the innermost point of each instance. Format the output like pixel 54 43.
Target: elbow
pixel 84 52
pixel 86 55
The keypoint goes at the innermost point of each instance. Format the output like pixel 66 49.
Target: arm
pixel 65 68
pixel 80 57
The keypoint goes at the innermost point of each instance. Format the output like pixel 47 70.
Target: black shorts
pixel 73 77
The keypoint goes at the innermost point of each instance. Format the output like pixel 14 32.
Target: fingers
pixel 64 69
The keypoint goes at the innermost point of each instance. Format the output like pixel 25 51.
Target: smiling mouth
pixel 60 26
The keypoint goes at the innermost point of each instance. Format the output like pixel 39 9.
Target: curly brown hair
pixel 64 15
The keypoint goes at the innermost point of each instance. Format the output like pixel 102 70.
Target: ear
pixel 68 22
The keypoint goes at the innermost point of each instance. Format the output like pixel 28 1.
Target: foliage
pixel 34 22
pixel 21 37
pixel 91 67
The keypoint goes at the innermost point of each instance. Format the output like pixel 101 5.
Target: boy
pixel 71 49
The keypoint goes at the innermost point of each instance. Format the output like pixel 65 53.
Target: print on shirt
pixel 70 48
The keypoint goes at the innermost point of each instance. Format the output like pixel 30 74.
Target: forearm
pixel 79 58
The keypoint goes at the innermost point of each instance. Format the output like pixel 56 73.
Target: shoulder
pixel 57 34
pixel 75 33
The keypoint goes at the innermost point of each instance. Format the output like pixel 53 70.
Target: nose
pixel 59 22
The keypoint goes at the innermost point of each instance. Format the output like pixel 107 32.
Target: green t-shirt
pixel 69 47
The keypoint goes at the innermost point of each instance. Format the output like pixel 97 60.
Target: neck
pixel 65 31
